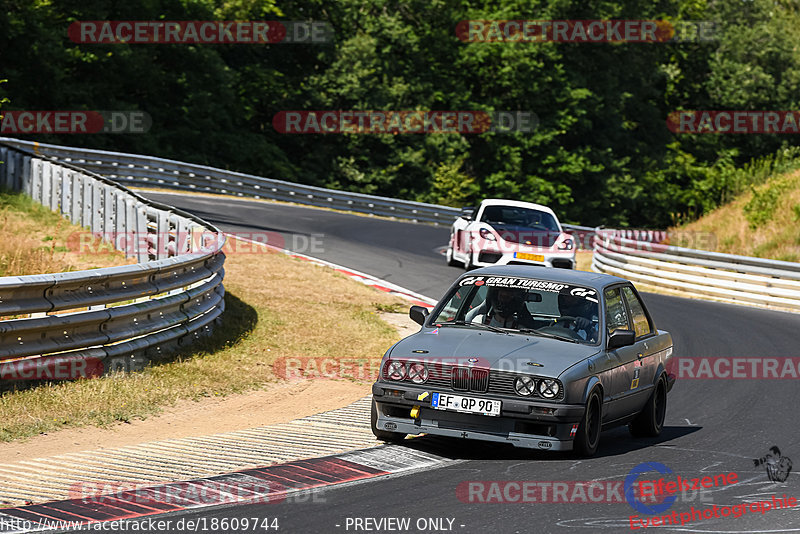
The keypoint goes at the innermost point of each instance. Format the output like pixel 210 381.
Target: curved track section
pixel 712 426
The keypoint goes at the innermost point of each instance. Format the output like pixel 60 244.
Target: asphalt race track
pixel 712 427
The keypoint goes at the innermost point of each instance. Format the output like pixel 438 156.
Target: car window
pixel 641 325
pixel 616 316
pixel 524 304
pixel 455 302
pixel 519 217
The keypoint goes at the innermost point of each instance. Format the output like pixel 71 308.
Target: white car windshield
pixel 539 307
pixel 519 217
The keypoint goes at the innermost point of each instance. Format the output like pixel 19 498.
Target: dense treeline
pixel 601 153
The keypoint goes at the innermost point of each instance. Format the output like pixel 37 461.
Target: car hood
pixel 454 344
pixel 528 236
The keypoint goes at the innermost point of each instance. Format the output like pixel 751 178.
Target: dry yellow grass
pixel 583 260
pixel 276 307
pixel 777 234
pixel 37 240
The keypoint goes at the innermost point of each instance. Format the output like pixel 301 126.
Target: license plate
pixel 526 256
pixel 457 403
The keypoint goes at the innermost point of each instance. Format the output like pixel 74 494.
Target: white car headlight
pixel 567 244
pixel 486 234
pixel 524 385
pixel 549 389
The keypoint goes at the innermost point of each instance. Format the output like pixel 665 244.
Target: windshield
pixel 528 305
pixel 519 217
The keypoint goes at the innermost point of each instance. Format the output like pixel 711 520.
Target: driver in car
pixel 504 307
pixel 585 313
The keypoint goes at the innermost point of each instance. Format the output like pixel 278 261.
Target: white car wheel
pixel 450 261
pixel 468 265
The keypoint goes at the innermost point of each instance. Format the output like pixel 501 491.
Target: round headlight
pixel 549 388
pixel 418 373
pixel 524 385
pixel 396 370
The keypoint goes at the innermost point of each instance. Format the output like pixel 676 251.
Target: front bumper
pixel 518 423
pixel 493 256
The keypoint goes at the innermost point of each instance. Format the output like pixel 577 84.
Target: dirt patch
pixel 280 403
pixel 401 321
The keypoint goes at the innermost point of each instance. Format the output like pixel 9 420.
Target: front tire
pixel 383 435
pixel 650 422
pixel 587 438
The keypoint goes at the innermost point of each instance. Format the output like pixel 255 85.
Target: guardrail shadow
pixel 236 324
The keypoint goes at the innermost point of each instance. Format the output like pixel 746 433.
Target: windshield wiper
pixel 548 334
pixel 465 323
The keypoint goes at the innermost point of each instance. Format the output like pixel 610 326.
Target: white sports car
pixel 509 232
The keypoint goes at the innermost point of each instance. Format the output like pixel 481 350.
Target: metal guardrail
pixel 698 273
pixel 121 316
pixel 145 171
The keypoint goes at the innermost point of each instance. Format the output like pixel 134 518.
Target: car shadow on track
pixel 614 442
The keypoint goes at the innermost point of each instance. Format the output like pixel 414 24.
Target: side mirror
pixel 466 213
pixel 418 314
pixel 621 338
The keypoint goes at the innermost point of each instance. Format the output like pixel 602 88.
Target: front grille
pixel 469 379
pixel 480 380
pixel 502 383
pixel 461 379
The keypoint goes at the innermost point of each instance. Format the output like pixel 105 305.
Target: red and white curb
pixel 271 484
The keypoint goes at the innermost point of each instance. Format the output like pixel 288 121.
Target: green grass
pixel 762 222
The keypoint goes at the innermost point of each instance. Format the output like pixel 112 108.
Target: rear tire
pixel 587 438
pixel 650 422
pixel 383 435
pixel 468 266
pixel 450 261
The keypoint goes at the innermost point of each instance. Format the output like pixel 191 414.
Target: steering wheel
pixel 564 318
pixel 558 329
